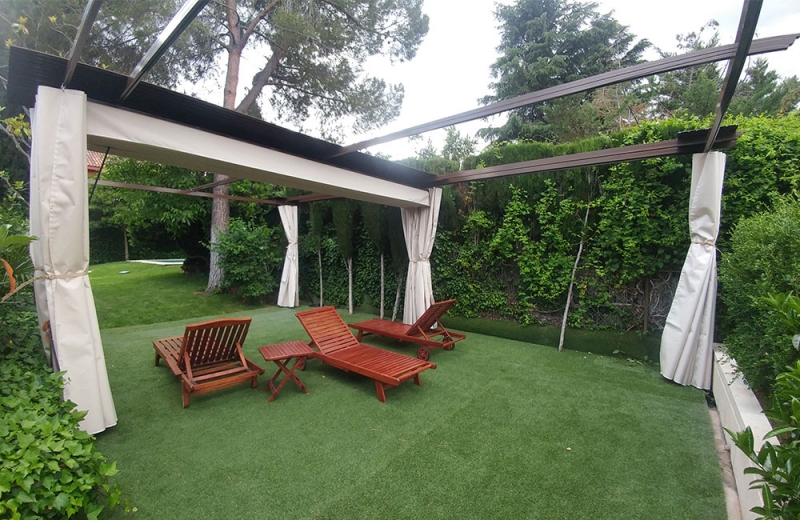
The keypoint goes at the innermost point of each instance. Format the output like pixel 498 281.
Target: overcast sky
pixel 451 70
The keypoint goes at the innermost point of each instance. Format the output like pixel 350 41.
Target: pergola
pixel 77 107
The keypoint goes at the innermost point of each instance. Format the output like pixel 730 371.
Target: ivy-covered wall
pixel 505 247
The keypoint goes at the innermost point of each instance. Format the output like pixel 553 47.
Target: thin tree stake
pixel 572 282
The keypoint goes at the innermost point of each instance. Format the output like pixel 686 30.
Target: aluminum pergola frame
pixel 737 52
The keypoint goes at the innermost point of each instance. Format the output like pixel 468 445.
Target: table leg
pixel 289 374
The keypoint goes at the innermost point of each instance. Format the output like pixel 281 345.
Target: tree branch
pixel 254 22
pixel 261 79
pixel 305 91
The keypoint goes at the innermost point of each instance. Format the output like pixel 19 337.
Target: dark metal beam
pixel 692 59
pixel 74 54
pixel 744 39
pixel 688 143
pixel 312 197
pixel 174 191
pixel 188 11
pixel 228 180
pixel 296 199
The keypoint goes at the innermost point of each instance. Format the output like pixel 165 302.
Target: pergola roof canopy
pixel 29 69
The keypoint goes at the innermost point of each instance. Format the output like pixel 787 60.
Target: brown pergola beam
pixel 188 11
pixel 692 59
pixel 744 39
pixel 174 191
pixel 88 18
pixel 296 199
pixel 691 142
pixel 312 197
pixel 227 180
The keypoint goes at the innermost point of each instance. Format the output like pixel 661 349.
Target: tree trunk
pixel 350 285
pixel 572 282
pixel 646 304
pixel 319 262
pixel 220 213
pixel 220 209
pixel 382 284
pixel 125 241
pixel 397 296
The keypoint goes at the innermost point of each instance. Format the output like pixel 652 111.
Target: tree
pixel 375 223
pixel 457 147
pixel 137 211
pixel 762 92
pixel 550 42
pixel 312 63
pixel 318 211
pixel 118 39
pixel 344 222
pixel 695 90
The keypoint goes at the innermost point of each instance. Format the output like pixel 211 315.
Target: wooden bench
pixel 337 347
pixel 209 356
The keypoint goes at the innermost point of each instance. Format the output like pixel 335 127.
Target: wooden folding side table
pixel 282 354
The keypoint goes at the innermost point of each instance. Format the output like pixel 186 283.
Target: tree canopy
pixel 550 42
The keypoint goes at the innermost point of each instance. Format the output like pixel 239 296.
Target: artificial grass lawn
pixel 153 294
pixel 501 429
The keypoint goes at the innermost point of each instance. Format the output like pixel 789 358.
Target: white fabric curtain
pixel 289 293
pixel 59 217
pixel 419 227
pixel 686 344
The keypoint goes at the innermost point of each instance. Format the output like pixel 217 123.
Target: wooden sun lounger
pixel 421 332
pixel 209 356
pixel 336 346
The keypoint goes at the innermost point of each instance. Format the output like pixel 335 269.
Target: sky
pixel 451 70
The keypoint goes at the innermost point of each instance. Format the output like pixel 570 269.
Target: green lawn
pixel 501 429
pixel 153 294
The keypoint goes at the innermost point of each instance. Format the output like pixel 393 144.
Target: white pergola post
pixel 686 344
pixel 59 217
pixel 289 293
pixel 419 228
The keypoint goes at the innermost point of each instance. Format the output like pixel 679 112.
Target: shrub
pixel 764 259
pixel 49 468
pixel 251 257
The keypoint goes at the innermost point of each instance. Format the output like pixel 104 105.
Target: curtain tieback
pixel 65 276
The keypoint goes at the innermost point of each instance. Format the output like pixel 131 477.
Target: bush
pixel 49 468
pixel 764 259
pixel 251 257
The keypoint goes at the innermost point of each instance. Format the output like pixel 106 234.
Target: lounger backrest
pixel 327 330
pixel 214 341
pixel 429 318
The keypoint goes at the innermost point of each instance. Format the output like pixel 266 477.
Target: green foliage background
pixel 505 247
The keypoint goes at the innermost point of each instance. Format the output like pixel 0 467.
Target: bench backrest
pixel 327 330
pixel 214 341
pixel 431 316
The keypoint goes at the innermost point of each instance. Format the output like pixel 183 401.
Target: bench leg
pixel 381 393
pixel 185 392
pixel 416 380
pixel 158 358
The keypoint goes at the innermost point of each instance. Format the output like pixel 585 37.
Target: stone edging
pixel 738 408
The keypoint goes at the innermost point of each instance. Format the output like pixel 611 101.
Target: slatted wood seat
pixel 422 332
pixel 336 346
pixel 209 356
